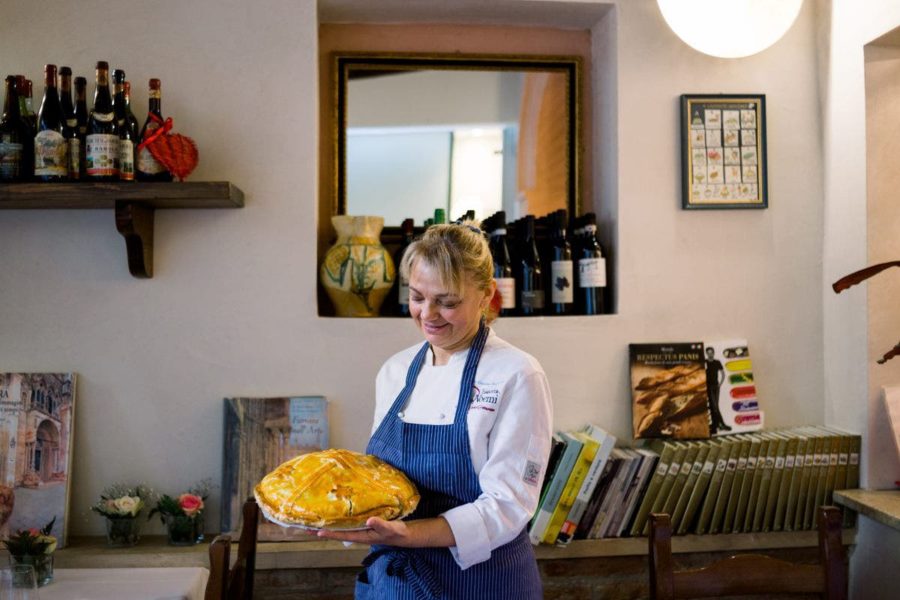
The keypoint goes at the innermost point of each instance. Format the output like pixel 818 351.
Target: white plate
pixel 307 527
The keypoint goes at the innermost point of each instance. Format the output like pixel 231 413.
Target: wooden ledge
pixel 880 505
pixel 152 551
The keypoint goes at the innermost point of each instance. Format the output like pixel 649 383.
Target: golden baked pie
pixel 335 489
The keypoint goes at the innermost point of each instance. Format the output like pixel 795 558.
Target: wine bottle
pixel 562 280
pixel 503 269
pixel 70 128
pixel 148 168
pixel 102 143
pixel 400 292
pixel 440 216
pixel 51 161
pixel 29 105
pixel 529 279
pixel 15 138
pixel 81 116
pixel 127 140
pixel 591 270
pixel 21 87
pixel 130 118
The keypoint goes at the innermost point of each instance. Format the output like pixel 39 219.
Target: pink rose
pixel 191 504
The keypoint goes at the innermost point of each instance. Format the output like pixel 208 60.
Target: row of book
pixel 771 480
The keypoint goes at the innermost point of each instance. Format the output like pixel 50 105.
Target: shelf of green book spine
pixel 134 204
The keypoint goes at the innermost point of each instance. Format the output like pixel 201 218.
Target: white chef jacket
pixel 510 429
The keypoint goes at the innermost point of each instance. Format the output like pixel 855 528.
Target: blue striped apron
pixel 438 459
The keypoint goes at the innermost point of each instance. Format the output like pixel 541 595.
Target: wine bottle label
pixel 72 122
pixel 74 158
pixel 561 279
pixel 101 154
pixel 147 164
pixel 507 288
pixel 50 158
pixel 126 160
pixel 10 160
pixel 591 272
pixel 103 117
pixel 403 291
pixel 533 299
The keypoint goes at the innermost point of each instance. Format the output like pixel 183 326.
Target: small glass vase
pixel 122 532
pixel 42 564
pixel 183 530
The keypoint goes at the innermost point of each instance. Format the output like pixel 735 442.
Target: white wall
pixel 231 309
pixel 851 399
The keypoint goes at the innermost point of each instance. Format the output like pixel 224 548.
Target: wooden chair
pixel 746 574
pixel 234 583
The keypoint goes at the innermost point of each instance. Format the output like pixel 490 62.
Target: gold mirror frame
pixel 343 62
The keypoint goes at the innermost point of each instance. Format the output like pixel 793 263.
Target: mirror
pixel 484 133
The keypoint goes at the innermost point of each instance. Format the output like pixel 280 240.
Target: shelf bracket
pixel 134 220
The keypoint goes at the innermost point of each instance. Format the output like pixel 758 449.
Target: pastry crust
pixel 335 489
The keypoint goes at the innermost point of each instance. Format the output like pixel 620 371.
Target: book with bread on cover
pixel 668 391
pixel 604 446
pixel 555 488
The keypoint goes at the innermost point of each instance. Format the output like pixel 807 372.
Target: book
pixel 725 489
pixel 589 449
pixel 734 407
pixel 662 468
pixel 555 488
pixel 743 500
pixel 632 464
pixel 852 475
pixel 790 505
pixel 260 434
pixel 689 484
pixel 668 390
pixel 892 407
pixel 646 469
pixel 691 511
pixel 715 484
pixel 790 481
pixel 765 481
pixel 613 493
pixel 37 416
pixel 813 447
pixel 737 482
pixel 819 475
pixel 787 444
pixel 687 465
pixel 762 461
pixel 557 445
pixel 605 442
pixel 668 481
pixel 610 471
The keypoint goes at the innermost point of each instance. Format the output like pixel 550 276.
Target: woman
pixel 468 418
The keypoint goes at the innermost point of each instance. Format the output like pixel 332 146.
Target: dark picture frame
pixel 723 151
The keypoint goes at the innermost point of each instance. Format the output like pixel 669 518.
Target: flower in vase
pixel 191 504
pixel 32 542
pixel 119 501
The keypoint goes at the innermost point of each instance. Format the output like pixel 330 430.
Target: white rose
pixel 128 505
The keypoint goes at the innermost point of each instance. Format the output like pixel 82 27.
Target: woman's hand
pixel 413 534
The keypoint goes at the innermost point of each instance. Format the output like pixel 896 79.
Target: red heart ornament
pixel 177 153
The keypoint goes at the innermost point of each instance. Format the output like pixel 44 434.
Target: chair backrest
pixel 236 582
pixel 745 574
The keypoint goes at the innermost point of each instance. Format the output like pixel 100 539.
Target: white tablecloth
pixel 176 583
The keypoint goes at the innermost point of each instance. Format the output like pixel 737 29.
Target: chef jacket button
pixel 400 414
pixel 443 416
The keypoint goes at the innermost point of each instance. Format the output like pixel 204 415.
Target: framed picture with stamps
pixel 723 151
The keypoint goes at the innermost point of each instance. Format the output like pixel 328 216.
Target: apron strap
pixel 468 378
pixel 409 566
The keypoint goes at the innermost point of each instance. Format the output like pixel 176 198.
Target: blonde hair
pixel 457 252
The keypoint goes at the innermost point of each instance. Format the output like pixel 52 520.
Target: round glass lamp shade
pixel 730 28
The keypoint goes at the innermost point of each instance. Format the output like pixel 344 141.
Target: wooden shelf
pixel 153 552
pixel 134 205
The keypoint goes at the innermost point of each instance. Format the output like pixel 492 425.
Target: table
pixel 168 583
